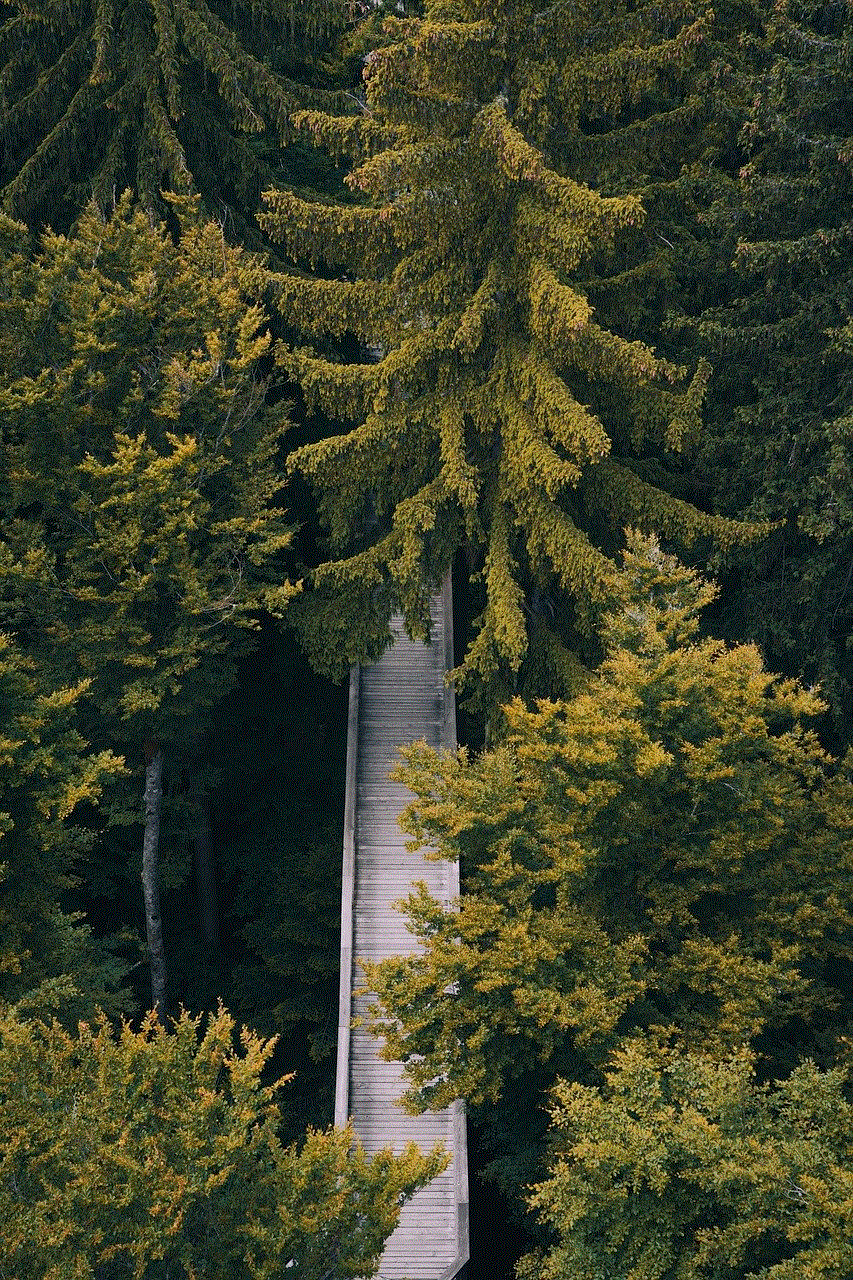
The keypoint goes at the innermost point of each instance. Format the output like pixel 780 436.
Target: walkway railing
pixel 400 699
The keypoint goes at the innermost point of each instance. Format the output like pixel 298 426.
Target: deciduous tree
pixel 140 530
pixel 691 1168
pixel 155 1154
pixel 46 774
pixel 667 856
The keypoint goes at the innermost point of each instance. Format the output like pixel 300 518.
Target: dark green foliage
pixel 190 95
pixel 592 269
pixel 288 903
pixel 279 747
pixel 47 954
pixel 140 536
pixel 776 324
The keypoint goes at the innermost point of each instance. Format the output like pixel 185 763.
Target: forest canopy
pixel 303 306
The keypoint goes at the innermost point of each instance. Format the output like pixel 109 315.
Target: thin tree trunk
pixel 205 877
pixel 151 876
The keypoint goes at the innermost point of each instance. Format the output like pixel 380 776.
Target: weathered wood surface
pixel 402 698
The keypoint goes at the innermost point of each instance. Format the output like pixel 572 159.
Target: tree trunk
pixel 205 877
pixel 151 876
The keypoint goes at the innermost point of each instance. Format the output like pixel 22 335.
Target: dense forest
pixel 303 305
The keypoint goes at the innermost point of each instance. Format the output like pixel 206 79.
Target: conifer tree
pixel 190 95
pixel 490 408
pixel 140 535
pixel 773 314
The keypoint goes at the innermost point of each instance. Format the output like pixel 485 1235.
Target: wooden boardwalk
pixel 402 698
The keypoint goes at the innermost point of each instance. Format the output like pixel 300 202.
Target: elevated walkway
pixel 400 699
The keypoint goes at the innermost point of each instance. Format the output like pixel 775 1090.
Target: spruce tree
pixel 190 95
pixel 490 408
pixel 767 299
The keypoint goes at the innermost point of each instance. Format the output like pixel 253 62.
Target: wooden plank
pixel 402 698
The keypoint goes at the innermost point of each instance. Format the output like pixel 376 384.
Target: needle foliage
pixel 190 95
pixel 490 409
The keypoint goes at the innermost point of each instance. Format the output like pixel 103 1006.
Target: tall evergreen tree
pixel 191 95
pixel 772 311
pixel 490 409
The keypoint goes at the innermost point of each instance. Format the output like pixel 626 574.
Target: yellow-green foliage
pixel 46 773
pixel 666 856
pixel 494 394
pixel 153 1153
pixel 140 533
pixel 688 1168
